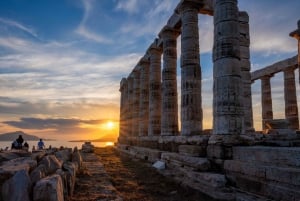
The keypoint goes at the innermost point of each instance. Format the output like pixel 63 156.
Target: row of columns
pixel 290 98
pixel 149 98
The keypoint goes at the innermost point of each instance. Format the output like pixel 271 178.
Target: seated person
pixel 41 144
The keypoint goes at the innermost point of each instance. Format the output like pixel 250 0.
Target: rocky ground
pixel 131 180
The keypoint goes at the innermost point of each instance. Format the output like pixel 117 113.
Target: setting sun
pixel 110 125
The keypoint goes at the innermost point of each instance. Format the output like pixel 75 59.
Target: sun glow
pixel 110 125
pixel 109 144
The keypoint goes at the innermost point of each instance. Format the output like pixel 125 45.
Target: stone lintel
pixel 167 30
pixel 204 6
pixel 174 21
pixel 155 46
pixel 275 68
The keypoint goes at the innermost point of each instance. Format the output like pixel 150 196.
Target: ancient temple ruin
pixel 232 162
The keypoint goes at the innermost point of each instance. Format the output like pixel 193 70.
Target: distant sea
pixel 57 143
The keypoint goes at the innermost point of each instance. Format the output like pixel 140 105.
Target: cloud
pixel 82 29
pixel 130 6
pixel 19 26
pixel 58 124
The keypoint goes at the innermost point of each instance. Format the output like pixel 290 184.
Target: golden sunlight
pixel 109 144
pixel 110 125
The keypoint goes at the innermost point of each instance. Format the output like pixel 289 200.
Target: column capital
pixel 189 5
pixel 123 83
pixel 296 33
pixel 266 77
pixel 144 61
pixel 169 32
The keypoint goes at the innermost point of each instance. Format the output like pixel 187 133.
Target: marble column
pixel 228 109
pixel 169 119
pixel 135 101
pixel 144 97
pixel 245 71
pixel 290 98
pixel 155 90
pixel 130 105
pixel 123 108
pixel 191 100
pixel 266 100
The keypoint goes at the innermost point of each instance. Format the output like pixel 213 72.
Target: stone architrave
pixel 155 90
pixel 136 101
pixel 266 100
pixel 191 100
pixel 144 97
pixel 290 97
pixel 123 110
pixel 228 99
pixel 169 119
pixel 245 71
pixel 130 108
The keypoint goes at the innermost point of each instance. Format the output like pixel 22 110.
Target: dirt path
pixel 93 183
pixel 136 181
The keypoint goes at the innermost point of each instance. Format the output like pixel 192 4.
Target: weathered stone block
pixel 219 151
pixel 196 163
pixel 192 150
pixel 17 188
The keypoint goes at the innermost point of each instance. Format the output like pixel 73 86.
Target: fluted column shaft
pixel 155 92
pixel 130 106
pixel 191 101
pixel 169 119
pixel 144 98
pixel 136 102
pixel 245 71
pixel 290 97
pixel 228 98
pixel 123 108
pixel 266 100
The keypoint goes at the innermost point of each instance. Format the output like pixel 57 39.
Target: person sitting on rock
pixel 20 141
pixel 41 144
pixel 26 146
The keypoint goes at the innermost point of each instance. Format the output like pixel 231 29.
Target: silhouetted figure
pixel 33 148
pixel 14 145
pixel 20 141
pixel 41 144
pixel 26 146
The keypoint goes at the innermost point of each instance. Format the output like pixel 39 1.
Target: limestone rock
pixel 51 163
pixel 70 171
pixel 77 159
pixel 49 188
pixel 160 165
pixel 6 156
pixel 38 173
pixel 63 155
pixel 17 188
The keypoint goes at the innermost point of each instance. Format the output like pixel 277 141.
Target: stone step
pixel 183 161
pixel 278 156
pixel 287 175
pixel 210 184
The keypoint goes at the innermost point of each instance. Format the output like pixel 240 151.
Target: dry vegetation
pixel 137 181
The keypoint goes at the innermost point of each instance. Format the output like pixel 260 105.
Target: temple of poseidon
pixel 232 161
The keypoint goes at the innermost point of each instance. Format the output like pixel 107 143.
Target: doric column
pixel 123 108
pixel 228 99
pixel 245 71
pixel 191 101
pixel 155 90
pixel 266 100
pixel 169 119
pixel 290 98
pixel 130 105
pixel 144 97
pixel 136 101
